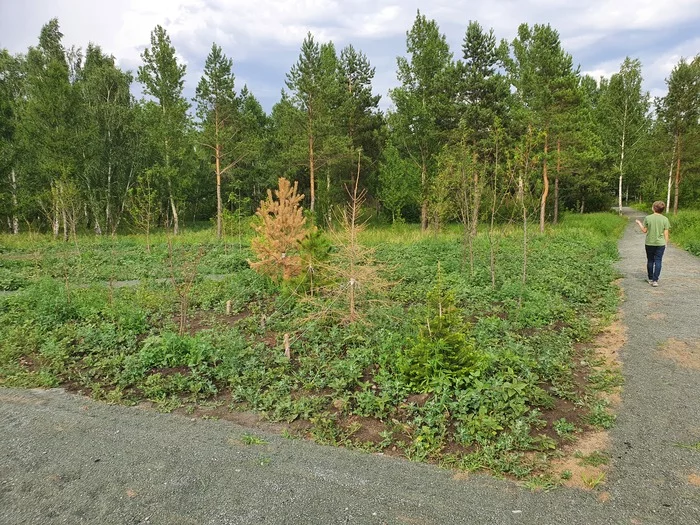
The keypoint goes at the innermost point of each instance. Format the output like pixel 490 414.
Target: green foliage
pixel 437 364
pixel 444 352
pixel 564 428
pixel 685 230
pixel 252 439
pixel 594 459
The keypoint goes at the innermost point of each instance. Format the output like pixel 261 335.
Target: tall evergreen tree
pixel 217 108
pixel 545 80
pixel 423 110
pixel 483 103
pixel 314 94
pixel 163 79
pixel 359 116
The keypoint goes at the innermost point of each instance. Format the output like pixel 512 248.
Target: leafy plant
pixel 444 351
pixel 593 481
pixel 252 439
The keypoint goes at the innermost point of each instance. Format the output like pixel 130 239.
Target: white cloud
pixel 264 36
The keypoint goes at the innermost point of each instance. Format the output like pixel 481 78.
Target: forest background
pixel 79 152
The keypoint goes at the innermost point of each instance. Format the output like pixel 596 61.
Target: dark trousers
pixel 654 256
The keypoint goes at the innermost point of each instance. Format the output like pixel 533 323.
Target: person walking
pixel 656 226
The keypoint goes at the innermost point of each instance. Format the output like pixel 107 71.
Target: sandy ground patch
pixel 656 316
pixel 610 341
pixel 683 353
pixel 583 476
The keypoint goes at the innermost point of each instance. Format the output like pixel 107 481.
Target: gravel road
pixel 67 459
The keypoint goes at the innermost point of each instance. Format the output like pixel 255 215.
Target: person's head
pixel 658 207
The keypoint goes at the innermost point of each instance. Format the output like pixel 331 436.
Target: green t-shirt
pixel 656 224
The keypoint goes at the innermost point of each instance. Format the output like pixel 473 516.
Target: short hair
pixel 658 206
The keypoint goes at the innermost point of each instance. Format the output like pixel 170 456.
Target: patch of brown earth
pixel 582 476
pixel 656 316
pixel 683 353
pixel 418 399
pixel 563 409
pixel 607 346
pixel 694 479
pixel 610 341
pixel 206 319
pixel 171 371
pixel 369 430
pixel 606 349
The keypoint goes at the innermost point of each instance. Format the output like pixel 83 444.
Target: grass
pixel 593 481
pixel 691 446
pixel 685 230
pixel 594 459
pixel 252 439
pixel 500 358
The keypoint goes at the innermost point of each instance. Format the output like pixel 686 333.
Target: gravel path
pixel 67 459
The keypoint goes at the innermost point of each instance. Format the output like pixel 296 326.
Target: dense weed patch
pixel 685 230
pixel 442 367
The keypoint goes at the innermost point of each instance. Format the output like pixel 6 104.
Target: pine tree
pixel 226 133
pixel 314 94
pixel 423 102
pixel 280 230
pixel 545 80
pixel 163 79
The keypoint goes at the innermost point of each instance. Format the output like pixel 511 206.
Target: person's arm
pixel 666 236
pixel 643 228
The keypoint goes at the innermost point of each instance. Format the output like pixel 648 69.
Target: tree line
pixel 506 129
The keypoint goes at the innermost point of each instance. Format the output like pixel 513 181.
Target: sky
pixel 263 37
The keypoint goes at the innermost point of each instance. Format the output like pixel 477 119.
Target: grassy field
pixel 441 365
pixel 685 230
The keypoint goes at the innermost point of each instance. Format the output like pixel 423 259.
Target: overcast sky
pixel 263 37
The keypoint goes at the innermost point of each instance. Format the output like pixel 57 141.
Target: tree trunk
pixel 108 208
pixel 521 195
pixel 424 203
pixel 176 219
pixel 622 158
pixel 476 200
pixel 312 175
pixel 545 179
pixel 219 221
pixel 678 173
pixel 492 248
pixel 329 215
pixel 64 218
pixel 670 176
pixel 556 183
pixel 15 219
